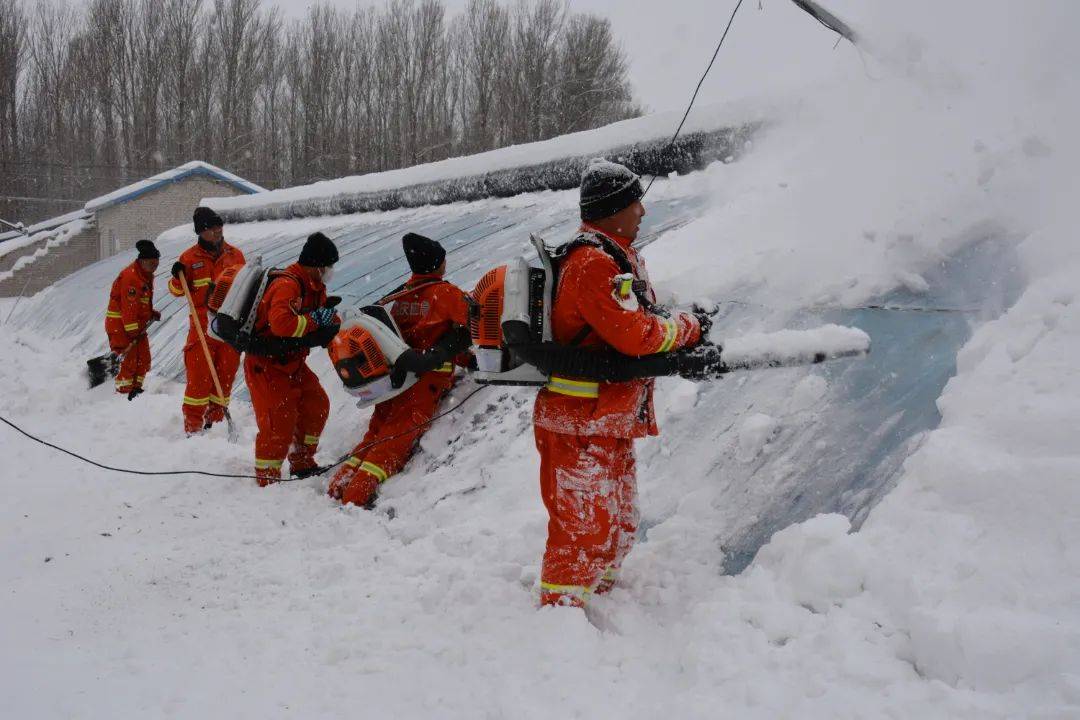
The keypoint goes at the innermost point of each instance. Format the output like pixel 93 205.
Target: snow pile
pixel 195 167
pixel 52 238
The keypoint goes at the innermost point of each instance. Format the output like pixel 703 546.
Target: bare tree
pixel 12 57
pixel 110 90
pixel 592 88
pixel 483 41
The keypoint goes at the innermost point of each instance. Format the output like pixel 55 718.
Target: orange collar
pixel 304 274
pixel 620 240
pixel 142 273
pixel 418 278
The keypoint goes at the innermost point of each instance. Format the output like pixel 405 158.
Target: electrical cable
pixel 693 98
pixel 323 468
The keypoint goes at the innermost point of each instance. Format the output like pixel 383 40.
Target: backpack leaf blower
pixel 511 329
pixel 363 353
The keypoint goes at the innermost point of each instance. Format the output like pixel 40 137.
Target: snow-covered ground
pixel 943 181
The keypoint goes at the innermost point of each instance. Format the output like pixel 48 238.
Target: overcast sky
pixel 669 43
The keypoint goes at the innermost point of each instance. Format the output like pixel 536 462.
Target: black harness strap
pixel 617 254
pixel 403 290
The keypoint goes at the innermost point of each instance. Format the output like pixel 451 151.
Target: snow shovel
pixel 234 436
pixel 101 368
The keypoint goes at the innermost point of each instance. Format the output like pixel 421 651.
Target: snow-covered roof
pixel 196 167
pixel 331 196
pixel 14 240
pixel 52 237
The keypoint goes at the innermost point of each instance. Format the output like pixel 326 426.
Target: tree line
pixel 105 92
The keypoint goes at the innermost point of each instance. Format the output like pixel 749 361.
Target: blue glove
pixel 323 316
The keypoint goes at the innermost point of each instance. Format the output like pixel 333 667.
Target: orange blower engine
pixel 508 309
pixel 363 352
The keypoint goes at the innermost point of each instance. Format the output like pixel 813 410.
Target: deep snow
pixel 951 177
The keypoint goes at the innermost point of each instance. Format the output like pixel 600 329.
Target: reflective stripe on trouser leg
pixel 134 366
pixel 311 407
pixel 555 594
pixel 199 386
pixel 587 485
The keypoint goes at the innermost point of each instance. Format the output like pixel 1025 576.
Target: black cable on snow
pixel 693 98
pixel 204 473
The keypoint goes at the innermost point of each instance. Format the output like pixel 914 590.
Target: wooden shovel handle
pixel 202 338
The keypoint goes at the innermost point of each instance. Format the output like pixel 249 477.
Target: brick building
pixel 109 224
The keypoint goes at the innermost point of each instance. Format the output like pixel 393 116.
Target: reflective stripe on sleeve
pixel 197 402
pixel 111 314
pixel 201 283
pixel 573 388
pixel 311 439
pixel 131 327
pixel 301 326
pixel 671 333
pixel 122 383
pixel 445 368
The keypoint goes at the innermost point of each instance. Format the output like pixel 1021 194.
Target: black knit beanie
pixel 205 218
pixel 147 250
pixel 607 188
pixel 423 254
pixel 319 251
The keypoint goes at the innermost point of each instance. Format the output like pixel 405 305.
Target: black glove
pixel 704 312
pixel 454 341
pixel 321 337
pixel 332 301
pixel 177 269
pixel 702 362
pixel 410 361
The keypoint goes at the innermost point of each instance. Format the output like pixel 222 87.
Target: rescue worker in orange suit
pixel 585 430
pixel 433 317
pixel 130 311
pixel 290 405
pixel 200 265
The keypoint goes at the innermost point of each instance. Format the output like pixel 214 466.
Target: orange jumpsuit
pixel 397 424
pixel 131 306
pixel 290 405
pixel 201 404
pixel 585 430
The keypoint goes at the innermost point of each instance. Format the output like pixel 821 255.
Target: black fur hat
pixel 319 251
pixel 423 254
